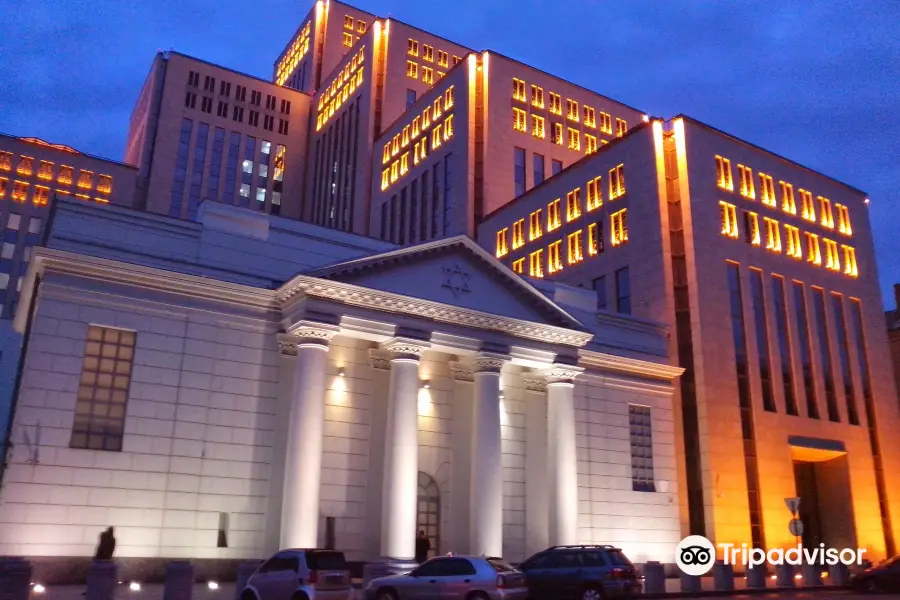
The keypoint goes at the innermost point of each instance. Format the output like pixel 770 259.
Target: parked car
pixel 297 574
pixel 453 578
pixel 580 572
pixel 885 577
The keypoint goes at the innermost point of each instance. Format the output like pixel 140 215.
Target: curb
pixel 777 591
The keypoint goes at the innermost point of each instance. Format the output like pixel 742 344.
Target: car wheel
pixel 386 594
pixel 592 593
pixel 248 595
pixel 477 596
pixel 299 596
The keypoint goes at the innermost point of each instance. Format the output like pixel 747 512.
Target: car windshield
pixel 326 561
pixel 618 558
pixel 890 562
pixel 500 565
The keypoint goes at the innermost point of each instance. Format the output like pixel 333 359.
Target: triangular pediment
pixel 456 272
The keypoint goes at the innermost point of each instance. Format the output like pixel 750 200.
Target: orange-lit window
pixel 412 47
pixel 415 128
pixel 616 182
pixel 104 184
pixel 794 248
pixel 536 263
pixel 427 75
pixel 518 90
pixel 448 98
pixel 404 164
pixel 621 127
pixel 767 189
pixel 571 110
pixel 825 215
pixel 773 235
pixel 844 219
pixel 747 188
pixel 385 178
pixel 518 234
pixel 6 161
pixel 4 185
pixel 554 261
pixel 85 179
pixel 728 217
pixel 456 59
pixel 723 174
pixel 20 191
pixel 809 211
pixel 594 193
pixel 436 136
pixel 787 198
pixel 412 69
pixel 557 134
pixel 436 108
pixel 619 227
pixel 534 225
pixel 26 165
pixel 590 143
pixel 360 26
pixel 404 137
pixel 41 195
pixel 813 253
pixel 348 22
pixel 575 248
pixel 555 104
pixel 850 261
pixel 395 145
pixel 423 150
pixel 595 239
pixel 537 96
pixel 519 122
pixel 605 123
pixel 518 266
pixel 45 171
pixel 537 126
pixel 443 59
pixel 751 228
pixel 395 170
pixel 590 118
pixel 348 40
pixel 426 118
pixel 386 154
pixel 832 259
pixel 553 217
pixel 574 139
pixel 427 52
pixel 502 248
pixel 573 204
pixel 448 128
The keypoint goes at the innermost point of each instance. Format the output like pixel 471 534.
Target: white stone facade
pixel 221 371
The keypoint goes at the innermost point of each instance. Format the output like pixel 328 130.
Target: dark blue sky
pixel 817 81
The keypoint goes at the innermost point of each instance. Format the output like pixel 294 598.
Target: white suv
pixel 300 575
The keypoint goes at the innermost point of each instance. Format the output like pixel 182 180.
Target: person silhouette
pixel 107 545
pixel 423 546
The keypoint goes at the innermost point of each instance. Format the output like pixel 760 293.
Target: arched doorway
pixel 428 518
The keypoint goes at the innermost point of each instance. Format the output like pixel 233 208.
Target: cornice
pixel 608 362
pixel 396 303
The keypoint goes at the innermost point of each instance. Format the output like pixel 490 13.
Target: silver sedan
pixel 453 578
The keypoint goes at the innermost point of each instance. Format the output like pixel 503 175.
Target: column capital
pixel 287 345
pixel 380 359
pixel 462 371
pixel 560 373
pixel 535 383
pixel 489 362
pixel 313 332
pixel 408 348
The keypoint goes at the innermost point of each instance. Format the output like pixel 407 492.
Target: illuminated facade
pixel 203 132
pixel 893 322
pixel 766 272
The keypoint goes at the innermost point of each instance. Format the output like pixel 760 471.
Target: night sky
pixel 816 81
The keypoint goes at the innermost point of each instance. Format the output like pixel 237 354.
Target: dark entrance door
pixel 810 512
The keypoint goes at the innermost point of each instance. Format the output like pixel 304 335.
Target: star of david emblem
pixel 456 280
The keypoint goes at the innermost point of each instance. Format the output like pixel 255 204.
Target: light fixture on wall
pixel 341 372
pixel 426 384
pixel 501 395
pixel 37 588
pixel 134 586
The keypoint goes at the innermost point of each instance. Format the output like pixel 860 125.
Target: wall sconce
pixel 426 384
pixel 341 372
pixel 501 395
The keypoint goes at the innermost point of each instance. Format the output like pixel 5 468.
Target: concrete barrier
pixel 245 570
pixel 756 578
pixel 785 575
pixel 723 576
pixel 15 578
pixel 812 575
pixel 654 578
pixel 101 580
pixel 690 583
pixel 838 574
pixel 179 581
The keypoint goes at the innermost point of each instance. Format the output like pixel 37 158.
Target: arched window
pixel 429 513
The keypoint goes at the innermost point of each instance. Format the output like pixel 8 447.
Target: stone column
pixel 308 342
pixel 562 455
pixel 401 452
pixel 486 499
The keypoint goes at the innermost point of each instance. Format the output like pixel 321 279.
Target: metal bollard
pixel 812 575
pixel 179 581
pixel 245 570
pixel 839 574
pixel 690 583
pixel 654 578
pixel 785 575
pixel 723 576
pixel 756 577
pixel 101 580
pixel 15 579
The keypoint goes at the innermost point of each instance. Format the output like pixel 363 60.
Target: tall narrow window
pixel 519 120
pixel 589 117
pixel 103 389
pixel 519 174
pixel 787 198
pixel 594 193
pixel 794 247
pixel 751 228
pixel 595 239
pixel 557 137
pixel 840 327
pixel 813 253
pixel 605 123
pixel 571 110
pixel 619 227
pixel 773 235
pixel 555 104
pixel 502 248
pixel 850 261
pixel 808 210
pixel 518 235
pixel 537 126
pixel 518 90
pixel 784 345
pixel 728 217
pixel 623 291
pixel 554 260
pixel 534 225
pixel 536 263
pixel 621 127
pixel 617 182
pixel 832 258
pixel 804 334
pixel 768 190
pixel 590 143
pixel 553 217
pixel 573 204
pixel 747 188
pixel 537 96
pixel 824 344
pixel 825 215
pixel 723 174
pixel 600 292
pixel 537 161
pixel 762 339
pixel 518 266
pixel 556 166
pixel 844 219
pixel 575 249
pixel 574 139
pixel 641 434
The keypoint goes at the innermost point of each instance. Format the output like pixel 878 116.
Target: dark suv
pixel 580 572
